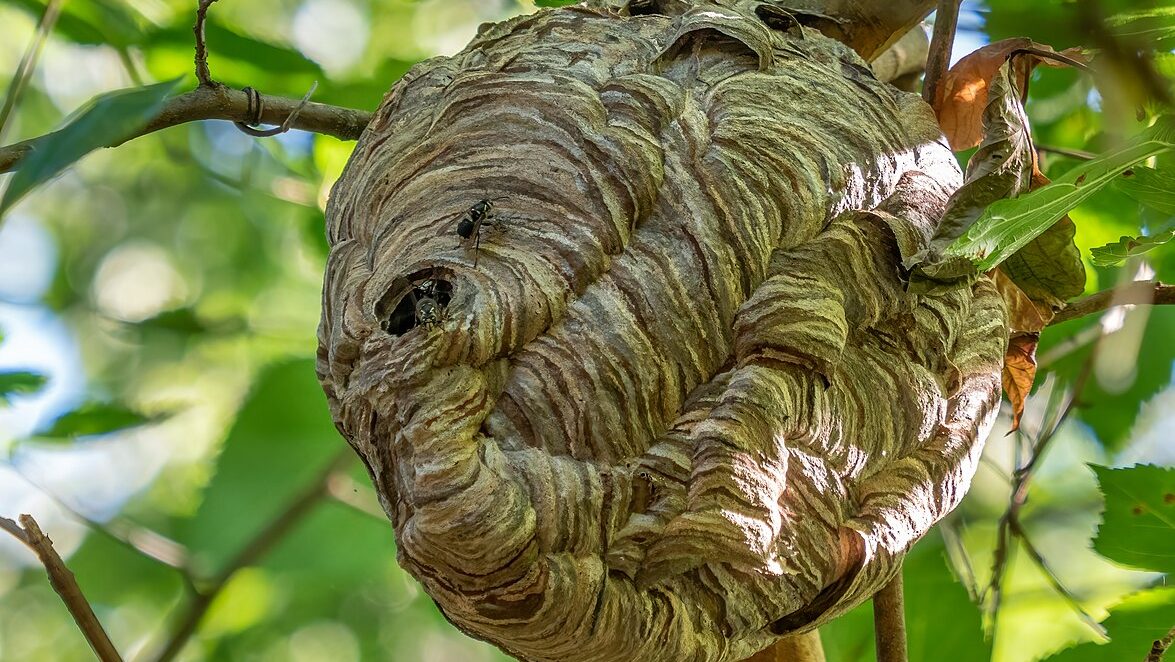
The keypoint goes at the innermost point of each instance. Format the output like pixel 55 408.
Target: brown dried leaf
pixel 1024 314
pixel 1020 372
pixel 962 95
pixel 1026 319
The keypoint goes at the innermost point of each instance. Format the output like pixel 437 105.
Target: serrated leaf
pixel 19 383
pixel 1138 525
pixel 1007 226
pixel 1153 188
pixel 94 418
pixel 1134 625
pixel 1114 254
pixel 108 119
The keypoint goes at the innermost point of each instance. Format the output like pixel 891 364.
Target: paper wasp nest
pixel 681 405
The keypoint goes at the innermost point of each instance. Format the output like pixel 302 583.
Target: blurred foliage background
pixel 163 298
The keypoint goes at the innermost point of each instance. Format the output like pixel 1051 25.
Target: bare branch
pixel 1058 586
pixel 941 44
pixel 1141 292
pixel 1065 151
pixel 63 581
pixel 269 535
pixel 1160 647
pixel 222 103
pixel 889 621
pixel 202 73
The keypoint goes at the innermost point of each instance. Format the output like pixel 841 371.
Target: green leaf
pixel 1008 225
pixel 1134 625
pixel 18 383
pixel 1153 188
pixel 1138 525
pixel 108 119
pixel 280 442
pixel 94 22
pixel 1149 25
pixel 225 42
pixel 1049 268
pixel 94 418
pixel 554 3
pixel 941 621
pixel 1114 254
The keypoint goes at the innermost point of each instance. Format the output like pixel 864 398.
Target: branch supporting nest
pixel 222 103
pixel 63 581
pixel 889 621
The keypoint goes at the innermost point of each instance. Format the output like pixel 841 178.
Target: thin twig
pixel 1065 151
pixel 1140 292
pixel 1058 586
pixel 63 581
pixel 202 73
pixel 946 20
pixel 1160 647
pixel 28 62
pixel 141 540
pixel 222 103
pixel 272 533
pixel 889 621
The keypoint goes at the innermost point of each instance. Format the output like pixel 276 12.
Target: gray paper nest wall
pixel 677 403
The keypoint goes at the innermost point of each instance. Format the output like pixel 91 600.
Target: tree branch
pixel 1141 292
pixel 63 581
pixel 941 44
pixel 889 621
pixel 222 103
pixel 266 538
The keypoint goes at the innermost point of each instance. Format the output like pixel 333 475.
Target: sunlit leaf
pixel 94 418
pixel 963 91
pixel 1008 225
pixel 1148 25
pixel 1134 625
pixel 1114 254
pixel 1153 188
pixel 19 383
pixel 108 119
pixel 1138 525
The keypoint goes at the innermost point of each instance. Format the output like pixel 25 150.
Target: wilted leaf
pixel 1114 254
pixel 18 383
pixel 1001 168
pixel 1020 372
pixel 1138 525
pixel 963 92
pixel 1007 226
pixel 108 119
pixel 1024 314
pixel 1153 188
pixel 1134 625
pixel 94 418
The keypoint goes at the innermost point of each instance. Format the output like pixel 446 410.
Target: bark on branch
pixel 29 533
pixel 1143 292
pixel 222 103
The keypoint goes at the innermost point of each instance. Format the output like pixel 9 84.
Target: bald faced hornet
pixel 429 312
pixel 471 222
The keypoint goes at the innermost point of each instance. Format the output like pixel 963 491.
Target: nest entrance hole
pixel 421 299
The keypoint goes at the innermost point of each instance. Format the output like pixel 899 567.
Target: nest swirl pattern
pixel 671 400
